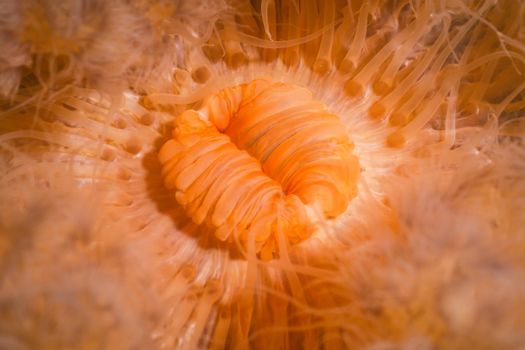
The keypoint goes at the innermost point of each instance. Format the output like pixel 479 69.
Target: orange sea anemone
pixel 263 174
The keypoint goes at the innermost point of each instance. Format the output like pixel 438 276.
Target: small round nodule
pixel 213 51
pixel 147 119
pixel 396 139
pixel 377 110
pixel 381 87
pixel 236 60
pixel 353 89
pixel 321 66
pixel 108 155
pixel 346 66
pixel 200 75
pixel 120 123
pixel 133 145
pixel 398 119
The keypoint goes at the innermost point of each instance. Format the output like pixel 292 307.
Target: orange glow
pixel 262 174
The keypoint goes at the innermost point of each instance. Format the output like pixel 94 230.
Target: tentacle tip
pixel 321 66
pixel 381 88
pixel 377 110
pixel 396 140
pixel 346 66
pixel 353 89
pixel 200 75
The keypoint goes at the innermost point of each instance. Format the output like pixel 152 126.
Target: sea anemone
pixel 262 174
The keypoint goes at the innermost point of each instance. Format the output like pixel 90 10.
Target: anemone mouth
pixel 258 161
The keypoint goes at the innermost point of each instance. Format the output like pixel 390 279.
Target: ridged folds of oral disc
pixel 267 156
